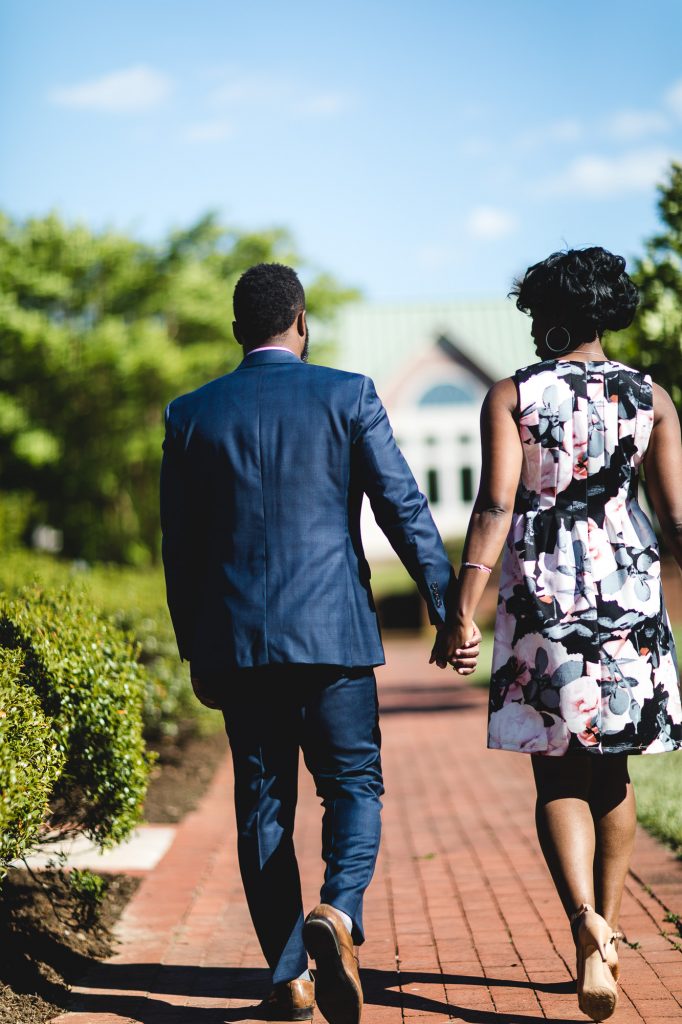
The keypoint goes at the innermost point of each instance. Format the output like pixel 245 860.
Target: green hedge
pixel 135 600
pixel 16 508
pixel 31 761
pixel 86 677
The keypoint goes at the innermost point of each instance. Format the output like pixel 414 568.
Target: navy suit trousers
pixel 331 714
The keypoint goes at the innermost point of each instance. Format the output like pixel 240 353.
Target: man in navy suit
pixel 262 481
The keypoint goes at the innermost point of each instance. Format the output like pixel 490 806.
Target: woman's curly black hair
pixel 267 299
pixel 587 290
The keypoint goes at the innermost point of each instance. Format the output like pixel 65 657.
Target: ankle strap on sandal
pixel 582 909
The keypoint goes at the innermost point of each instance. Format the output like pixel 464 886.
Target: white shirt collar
pixel 271 348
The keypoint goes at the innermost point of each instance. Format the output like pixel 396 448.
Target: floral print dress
pixel 584 658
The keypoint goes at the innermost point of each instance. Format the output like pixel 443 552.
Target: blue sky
pixel 417 150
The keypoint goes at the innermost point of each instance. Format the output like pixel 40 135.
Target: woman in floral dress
pixel 584 666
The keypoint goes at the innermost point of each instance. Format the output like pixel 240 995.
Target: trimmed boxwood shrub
pixel 30 761
pixel 135 600
pixel 85 673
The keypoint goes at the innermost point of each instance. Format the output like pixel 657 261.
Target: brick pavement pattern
pixel 462 921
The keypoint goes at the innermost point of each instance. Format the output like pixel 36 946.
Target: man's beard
pixel 305 353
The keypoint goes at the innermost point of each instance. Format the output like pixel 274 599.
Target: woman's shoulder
pixel 663 405
pixel 502 394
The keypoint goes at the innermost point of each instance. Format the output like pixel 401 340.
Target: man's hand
pixel 203 695
pixel 457 645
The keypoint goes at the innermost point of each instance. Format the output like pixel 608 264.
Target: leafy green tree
pixel 98 332
pixel 654 342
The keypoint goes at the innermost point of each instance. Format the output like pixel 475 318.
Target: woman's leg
pixel 565 825
pixel 612 802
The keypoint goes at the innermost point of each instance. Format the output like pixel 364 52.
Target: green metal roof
pixel 378 339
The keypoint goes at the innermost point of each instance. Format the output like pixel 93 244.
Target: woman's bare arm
pixel 501 458
pixel 663 469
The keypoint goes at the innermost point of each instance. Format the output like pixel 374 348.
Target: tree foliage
pixel 98 331
pixel 654 342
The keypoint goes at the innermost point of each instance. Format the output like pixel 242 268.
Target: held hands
pixel 459 645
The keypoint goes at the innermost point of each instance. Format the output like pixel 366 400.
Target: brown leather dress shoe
pixel 291 1000
pixel 337 982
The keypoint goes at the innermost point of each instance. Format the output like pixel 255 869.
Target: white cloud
pixel 565 130
pixel 208 131
pixel 628 125
pixel 130 90
pixel 596 177
pixel 673 98
pixel 280 94
pixel 489 223
pixel 325 104
pixel 246 89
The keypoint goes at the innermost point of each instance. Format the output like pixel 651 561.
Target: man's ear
pixel 300 324
pixel 235 331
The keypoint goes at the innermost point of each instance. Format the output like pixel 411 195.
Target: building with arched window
pixel 432 366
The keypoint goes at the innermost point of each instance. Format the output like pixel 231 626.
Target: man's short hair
pixel 267 299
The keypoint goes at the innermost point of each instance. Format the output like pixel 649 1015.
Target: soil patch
pixel 42 953
pixel 44 949
pixel 181 776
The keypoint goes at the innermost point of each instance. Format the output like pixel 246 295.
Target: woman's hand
pixel 457 644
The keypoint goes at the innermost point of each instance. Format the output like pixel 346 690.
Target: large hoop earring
pixel 565 347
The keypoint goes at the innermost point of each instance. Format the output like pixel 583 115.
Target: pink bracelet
pixel 476 565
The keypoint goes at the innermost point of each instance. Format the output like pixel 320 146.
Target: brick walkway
pixel 461 918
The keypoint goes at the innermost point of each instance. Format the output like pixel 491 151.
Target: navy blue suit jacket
pixel 262 480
